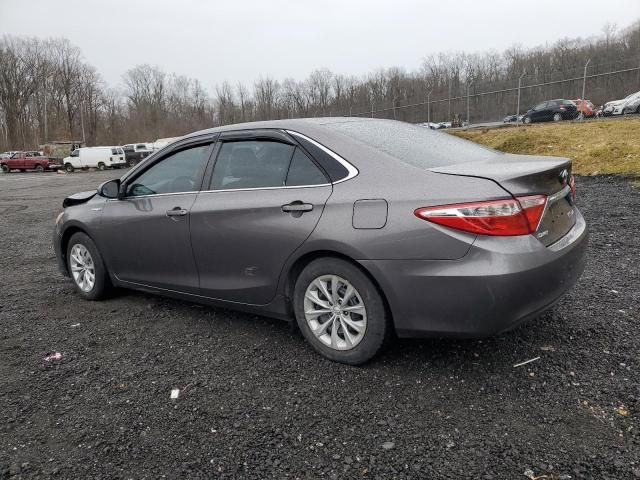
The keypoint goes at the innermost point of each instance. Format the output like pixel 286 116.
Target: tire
pixel 366 310
pixel 101 287
pixel 68 168
pixel 6 169
pixel 557 117
pixel 580 116
pixel 102 166
pixel 39 169
pixel 527 120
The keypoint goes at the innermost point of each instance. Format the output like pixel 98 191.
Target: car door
pixel 539 112
pixel 265 197
pixel 145 235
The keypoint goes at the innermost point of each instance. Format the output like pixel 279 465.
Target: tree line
pixel 49 91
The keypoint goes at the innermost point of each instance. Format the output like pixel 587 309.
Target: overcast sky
pixel 239 40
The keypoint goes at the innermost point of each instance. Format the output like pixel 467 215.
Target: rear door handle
pixel 176 212
pixel 297 207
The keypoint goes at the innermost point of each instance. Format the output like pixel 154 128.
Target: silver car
pixel 359 229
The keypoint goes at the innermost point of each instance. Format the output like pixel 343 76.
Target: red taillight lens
pixel 513 216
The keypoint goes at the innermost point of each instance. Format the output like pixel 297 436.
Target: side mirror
pixel 110 189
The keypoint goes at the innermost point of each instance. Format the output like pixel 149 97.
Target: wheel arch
pixel 302 261
pixel 66 236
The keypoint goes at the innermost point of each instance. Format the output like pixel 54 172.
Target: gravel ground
pixel 256 402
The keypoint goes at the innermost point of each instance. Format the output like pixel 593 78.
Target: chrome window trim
pixel 352 171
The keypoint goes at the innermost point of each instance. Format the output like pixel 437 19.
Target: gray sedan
pixel 359 229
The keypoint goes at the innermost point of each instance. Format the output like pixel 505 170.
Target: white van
pixel 95 157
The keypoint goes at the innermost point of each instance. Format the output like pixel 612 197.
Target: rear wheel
pixel 86 268
pixel 340 311
pixel 101 166
pixel 557 117
pixel 39 168
pixel 68 167
pixel 5 169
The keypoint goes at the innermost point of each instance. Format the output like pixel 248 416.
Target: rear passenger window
pixel 303 171
pixel 114 151
pixel 251 164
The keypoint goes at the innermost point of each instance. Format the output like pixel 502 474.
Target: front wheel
pixel 340 311
pixel 68 168
pixel 5 169
pixel 86 268
pixel 39 168
pixel 557 117
pixel 101 166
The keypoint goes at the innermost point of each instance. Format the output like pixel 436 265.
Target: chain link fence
pixel 491 102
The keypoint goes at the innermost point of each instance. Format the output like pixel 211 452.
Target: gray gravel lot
pixel 256 402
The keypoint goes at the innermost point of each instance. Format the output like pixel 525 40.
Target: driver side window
pixel 177 173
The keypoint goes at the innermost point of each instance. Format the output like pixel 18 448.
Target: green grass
pixel 596 147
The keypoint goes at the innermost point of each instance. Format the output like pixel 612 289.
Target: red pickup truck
pixel 27 161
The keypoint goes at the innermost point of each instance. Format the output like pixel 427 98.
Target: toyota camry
pixel 357 229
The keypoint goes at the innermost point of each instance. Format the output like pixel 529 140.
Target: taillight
pixel 572 186
pixel 513 216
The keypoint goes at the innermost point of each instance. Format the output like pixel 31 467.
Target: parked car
pixel 632 106
pixel 617 107
pixel 556 110
pixel 586 109
pixel 510 119
pixel 431 125
pixel 136 152
pixel 95 157
pixel 31 160
pixel 288 219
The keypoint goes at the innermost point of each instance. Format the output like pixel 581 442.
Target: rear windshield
pixel 417 146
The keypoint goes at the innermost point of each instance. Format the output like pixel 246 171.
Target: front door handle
pixel 297 207
pixel 176 212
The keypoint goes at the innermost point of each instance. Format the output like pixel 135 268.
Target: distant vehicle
pixel 556 110
pixel 31 160
pixel 617 107
pixel 95 157
pixel 445 124
pixel 586 109
pixel 431 125
pixel 135 152
pixel 510 118
pixel 163 142
pixel 7 154
pixel 60 149
pixel 632 106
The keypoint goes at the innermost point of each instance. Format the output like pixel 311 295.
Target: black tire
pixel 39 169
pixel 557 117
pixel 102 286
pixel 5 169
pixel 378 328
pixel 102 166
pixel 68 168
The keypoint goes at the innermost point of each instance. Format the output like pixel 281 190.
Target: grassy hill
pixel 596 147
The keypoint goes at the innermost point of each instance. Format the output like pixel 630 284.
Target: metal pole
pixel 518 108
pixel 468 86
pixel 429 107
pixel 449 112
pixel 46 133
pixel 584 84
pixel 82 124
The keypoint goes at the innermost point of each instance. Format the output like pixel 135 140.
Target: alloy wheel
pixel 335 312
pixel 82 267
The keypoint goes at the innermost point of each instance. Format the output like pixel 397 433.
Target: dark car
pixel 555 110
pixel 356 228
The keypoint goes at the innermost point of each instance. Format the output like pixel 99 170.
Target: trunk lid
pixel 522 175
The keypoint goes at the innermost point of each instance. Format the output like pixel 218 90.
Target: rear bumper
pixel 498 284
